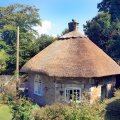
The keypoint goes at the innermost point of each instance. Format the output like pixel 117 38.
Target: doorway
pixel 103 92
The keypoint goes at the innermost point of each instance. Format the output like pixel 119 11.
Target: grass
pixel 5 112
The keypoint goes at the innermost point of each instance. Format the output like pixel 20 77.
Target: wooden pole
pixel 17 59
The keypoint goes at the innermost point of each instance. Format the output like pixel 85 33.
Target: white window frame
pixel 73 88
pixel 38 85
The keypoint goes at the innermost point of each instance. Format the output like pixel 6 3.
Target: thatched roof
pixel 73 34
pixel 73 55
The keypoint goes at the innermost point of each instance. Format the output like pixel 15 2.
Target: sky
pixel 55 14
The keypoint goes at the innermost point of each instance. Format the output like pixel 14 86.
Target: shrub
pixel 53 112
pixel 21 109
pixel 10 88
pixel 83 111
pixel 8 92
pixel 86 111
pixel 5 98
pixel 117 93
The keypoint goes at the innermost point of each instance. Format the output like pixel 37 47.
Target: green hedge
pixel 83 111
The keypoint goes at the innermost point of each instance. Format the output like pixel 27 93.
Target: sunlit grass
pixel 5 112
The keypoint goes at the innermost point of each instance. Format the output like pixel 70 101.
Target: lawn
pixel 5 112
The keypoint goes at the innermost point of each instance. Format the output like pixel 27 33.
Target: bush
pixel 5 98
pixel 21 109
pixel 8 93
pixel 83 111
pixel 53 112
pixel 117 93
pixel 86 111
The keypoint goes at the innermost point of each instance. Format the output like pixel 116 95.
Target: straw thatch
pixel 73 55
pixel 73 34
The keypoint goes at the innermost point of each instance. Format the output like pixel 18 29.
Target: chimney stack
pixel 73 26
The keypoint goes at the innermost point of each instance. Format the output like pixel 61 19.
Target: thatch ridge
pixel 73 34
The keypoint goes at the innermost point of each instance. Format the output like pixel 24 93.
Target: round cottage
pixel 71 66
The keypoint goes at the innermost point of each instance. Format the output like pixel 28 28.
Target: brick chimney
pixel 73 26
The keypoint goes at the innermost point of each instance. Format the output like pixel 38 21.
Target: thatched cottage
pixel 70 68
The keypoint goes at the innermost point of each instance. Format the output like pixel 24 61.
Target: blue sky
pixel 56 14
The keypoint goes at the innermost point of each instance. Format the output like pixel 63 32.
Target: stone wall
pixel 90 88
pixel 62 84
pixel 96 88
pixel 54 88
pixel 48 87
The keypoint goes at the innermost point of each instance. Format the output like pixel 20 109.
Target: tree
pixel 18 15
pixel 3 55
pixel 110 6
pixel 65 31
pixel 104 29
pixel 113 43
pixel 98 29
pixel 42 42
pixel 25 17
pixel 3 59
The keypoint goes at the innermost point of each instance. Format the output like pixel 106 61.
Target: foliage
pixel 7 95
pixel 18 15
pixel 42 42
pixel 50 112
pixel 21 109
pixel 65 31
pixel 3 59
pixel 3 98
pixel 25 17
pixel 10 88
pixel 98 29
pixel 84 111
pixel 117 93
pixel 3 45
pixel 104 29
pixel 110 6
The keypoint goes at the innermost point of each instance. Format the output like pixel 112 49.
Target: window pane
pixel 67 95
pixel 37 85
pixel 78 95
pixel 73 94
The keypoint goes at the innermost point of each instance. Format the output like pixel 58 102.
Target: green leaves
pixel 19 15
pixel 82 111
pixel 112 7
pixel 3 58
pixel 104 29
pixel 25 17
pixel 42 42
pixel 98 29
pixel 21 109
pixel 65 31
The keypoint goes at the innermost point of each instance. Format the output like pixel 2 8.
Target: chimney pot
pixel 73 26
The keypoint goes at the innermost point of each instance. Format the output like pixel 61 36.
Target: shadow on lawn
pixel 113 110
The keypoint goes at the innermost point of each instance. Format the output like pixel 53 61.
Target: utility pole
pixel 17 60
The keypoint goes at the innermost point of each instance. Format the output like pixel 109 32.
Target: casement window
pixel 38 85
pixel 72 94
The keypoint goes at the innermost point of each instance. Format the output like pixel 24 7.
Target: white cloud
pixel 45 28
